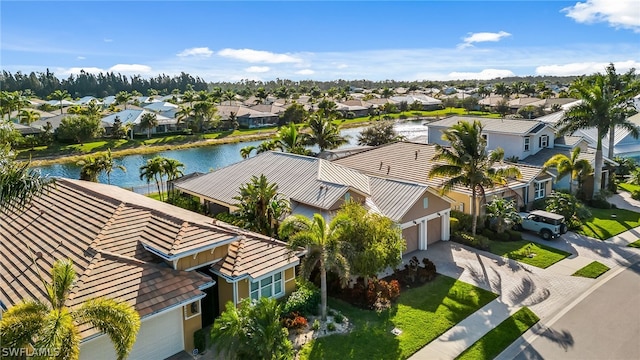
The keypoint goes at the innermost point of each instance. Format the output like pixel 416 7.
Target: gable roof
pixel 412 162
pixel 502 126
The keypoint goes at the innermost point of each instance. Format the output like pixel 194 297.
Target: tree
pixel 8 134
pixel 577 169
pixel 27 116
pixel 325 134
pixel 378 134
pixel 502 107
pixel 261 95
pixel 470 103
pixel 53 325
pixel 148 121
pixel 603 107
pixel 502 214
pixel 60 95
pixel 109 165
pixel 123 97
pixel 19 183
pixel 203 113
pixel 374 241
pixel 467 163
pixel 251 330
pixel 119 131
pixel 328 109
pixel 502 89
pixel 260 206
pixel 290 140
pixel 91 167
pixel 324 249
pixel 173 169
pixel 153 170
pixel 245 152
pixel 80 128
pixel 295 113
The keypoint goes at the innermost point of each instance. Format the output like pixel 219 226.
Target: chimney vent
pixel 388 169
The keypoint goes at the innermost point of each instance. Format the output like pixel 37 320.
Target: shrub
pixel 338 318
pixel 316 325
pixel 514 235
pixel 504 237
pixel 599 202
pixel 539 204
pixel 479 241
pixel 463 219
pixel 455 223
pixel 331 327
pixel 304 300
pixel 200 340
pixel 294 321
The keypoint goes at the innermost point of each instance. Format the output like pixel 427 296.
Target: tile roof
pixel 545 154
pixel 504 126
pixel 412 162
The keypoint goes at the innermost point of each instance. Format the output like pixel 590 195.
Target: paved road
pixel 605 325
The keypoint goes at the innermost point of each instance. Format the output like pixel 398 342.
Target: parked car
pixel 547 225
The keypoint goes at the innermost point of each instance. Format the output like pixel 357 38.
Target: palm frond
pixel 22 322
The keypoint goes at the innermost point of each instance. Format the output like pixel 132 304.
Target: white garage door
pixel 159 337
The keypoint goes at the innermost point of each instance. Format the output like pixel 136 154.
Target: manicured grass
pixel 629 187
pixel 592 270
pixel 545 256
pixel 635 244
pixel 422 313
pixel 496 340
pixel 603 226
pixel 156 196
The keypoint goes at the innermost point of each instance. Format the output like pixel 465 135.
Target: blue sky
pixel 322 40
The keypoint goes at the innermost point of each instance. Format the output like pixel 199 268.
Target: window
pixel 425 203
pixel 526 144
pixel 539 190
pixel 543 141
pixel 270 286
pixel 347 196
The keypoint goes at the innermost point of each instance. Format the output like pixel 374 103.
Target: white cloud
pixel 618 13
pixel 258 56
pixel 486 74
pixel 257 69
pixel 584 68
pixel 108 40
pixel 483 37
pixel 342 66
pixel 305 72
pixel 197 52
pixel 77 70
pixel 130 69
pixel 81 58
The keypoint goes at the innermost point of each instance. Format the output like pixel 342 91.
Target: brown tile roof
pixel 412 162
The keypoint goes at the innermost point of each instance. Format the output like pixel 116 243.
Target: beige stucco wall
pixel 202 257
pixel 190 326
pixel 289 280
pixel 410 235
pixel 354 196
pixel 225 293
pixel 460 198
pixel 243 289
pixel 434 230
pixel 417 211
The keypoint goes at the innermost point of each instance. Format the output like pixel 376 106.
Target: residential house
pixel 248 118
pixel 412 162
pixel 518 138
pixel 177 268
pixel 134 117
pixel 428 103
pixel 315 185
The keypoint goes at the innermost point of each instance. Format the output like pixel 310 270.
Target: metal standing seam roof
pixel 504 126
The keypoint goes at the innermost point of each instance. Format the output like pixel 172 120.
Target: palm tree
pixel 502 89
pixel 19 183
pixel 173 169
pixel 60 95
pixel 324 249
pixel 268 145
pixel 203 113
pixel 504 213
pixel 245 152
pixel 604 106
pixel 123 97
pixel 290 140
pixel 109 165
pixel 148 121
pixel 229 96
pixel 576 168
pixel 260 206
pixel 261 95
pixel 91 168
pixel 251 330
pixel 53 325
pixel 27 116
pixel 325 134
pixel 467 163
pixel 184 113
pixel 153 170
pixel 189 96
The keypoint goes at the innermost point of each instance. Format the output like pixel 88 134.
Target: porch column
pixel 422 238
pixel 445 226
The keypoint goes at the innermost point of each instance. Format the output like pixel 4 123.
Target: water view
pixel 202 159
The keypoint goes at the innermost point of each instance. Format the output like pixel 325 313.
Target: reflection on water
pixel 203 159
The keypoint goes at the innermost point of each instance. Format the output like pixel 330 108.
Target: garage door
pixel 434 230
pixel 411 236
pixel 159 337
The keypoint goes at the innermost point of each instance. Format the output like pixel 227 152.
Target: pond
pixel 202 159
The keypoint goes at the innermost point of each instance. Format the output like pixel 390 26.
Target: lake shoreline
pixel 150 149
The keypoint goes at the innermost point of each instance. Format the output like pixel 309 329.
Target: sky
pixel 321 40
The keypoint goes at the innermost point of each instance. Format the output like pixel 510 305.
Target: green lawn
pixel 545 256
pixel 635 244
pixel 496 340
pixel 603 226
pixel 592 270
pixel 422 313
pixel 628 187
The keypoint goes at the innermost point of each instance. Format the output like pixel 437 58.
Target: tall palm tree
pixel 260 206
pixel 28 116
pixel 203 113
pixel 123 97
pixel 148 121
pixel 229 96
pixel 325 134
pixel 53 325
pixel 290 140
pixel 153 170
pixel 468 163
pixel 324 249
pixel 91 167
pixel 184 113
pixel 19 183
pixel 576 168
pixel 502 89
pixel 245 152
pixel 603 107
pixel 60 95
pixel 268 145
pixel 173 169
pixel 624 87
pixel 109 165
pixel 261 95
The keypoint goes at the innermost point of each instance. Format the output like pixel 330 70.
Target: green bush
pixel 635 194
pixel 464 220
pixel 514 235
pixel 331 327
pixel 228 218
pixel 455 223
pixel 338 318
pixel 200 340
pixel 305 299
pixel 479 241
pixel 316 325
pixel 540 204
